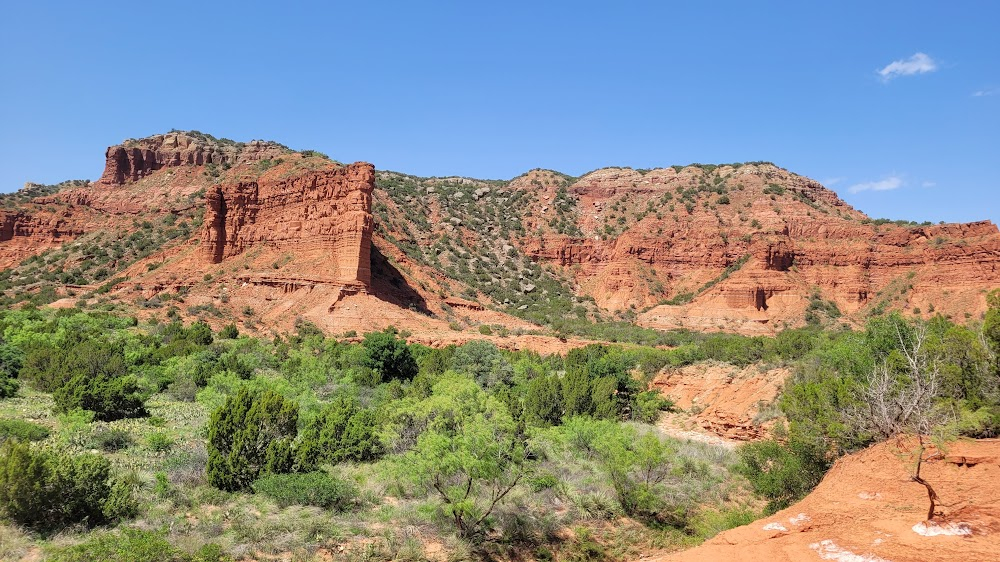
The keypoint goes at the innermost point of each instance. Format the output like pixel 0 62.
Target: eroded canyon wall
pixel 322 218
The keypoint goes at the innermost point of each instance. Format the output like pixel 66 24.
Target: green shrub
pixel 126 545
pixel 184 388
pixel 110 398
pixel 576 393
pixel 389 356
pixel 200 333
pixel 604 398
pixel 543 481
pixel 11 360
pixel 709 523
pixel 48 367
pixel 484 361
pixel 342 431
pixel 45 489
pixel 111 440
pixel 471 454
pixel 310 488
pixel 8 386
pixel 543 401
pixel 211 552
pixel 121 503
pixel 229 332
pixel 583 548
pixel 159 442
pixel 251 434
pixel 22 430
pixel 648 406
pixel 781 473
pixel 794 344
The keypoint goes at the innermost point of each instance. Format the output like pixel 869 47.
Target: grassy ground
pixel 576 518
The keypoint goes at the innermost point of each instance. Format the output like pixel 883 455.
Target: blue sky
pixel 895 105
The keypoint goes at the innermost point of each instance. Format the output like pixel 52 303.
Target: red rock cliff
pixel 136 159
pixel 323 216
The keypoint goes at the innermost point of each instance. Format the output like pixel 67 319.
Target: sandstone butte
pixel 750 247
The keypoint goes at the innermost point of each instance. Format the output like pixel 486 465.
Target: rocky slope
pixel 744 247
pixel 867 509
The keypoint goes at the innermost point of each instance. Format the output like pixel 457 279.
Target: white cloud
pixel 986 92
pixel 929 184
pixel 891 182
pixel 917 64
pixel 830 182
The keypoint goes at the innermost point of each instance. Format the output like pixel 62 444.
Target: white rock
pixel 932 529
pixel 828 550
pixel 799 519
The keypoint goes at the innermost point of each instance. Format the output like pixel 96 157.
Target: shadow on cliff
pixel 389 285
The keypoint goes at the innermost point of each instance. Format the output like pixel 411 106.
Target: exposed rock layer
pixel 136 159
pixel 750 247
pixel 321 216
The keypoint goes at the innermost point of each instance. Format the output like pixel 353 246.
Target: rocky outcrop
pixel 722 399
pixel 136 159
pixel 24 234
pixel 322 217
pixel 40 227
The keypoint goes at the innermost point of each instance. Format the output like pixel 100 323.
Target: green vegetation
pixel 686 297
pixel 309 488
pixel 32 190
pixel 250 435
pixel 897 377
pixel 478 262
pixel 47 490
pixel 95 258
pixel 22 430
pixel 266 442
pixel 342 431
pixel 252 447
pixel 389 356
pixel 131 545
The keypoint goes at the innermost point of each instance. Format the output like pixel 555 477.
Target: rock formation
pixel 136 159
pixel 749 247
pixel 752 244
pixel 23 234
pixel 321 216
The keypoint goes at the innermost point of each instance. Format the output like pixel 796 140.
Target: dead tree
pixel 899 402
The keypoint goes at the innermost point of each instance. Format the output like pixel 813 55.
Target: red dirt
pixel 719 399
pixel 866 508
